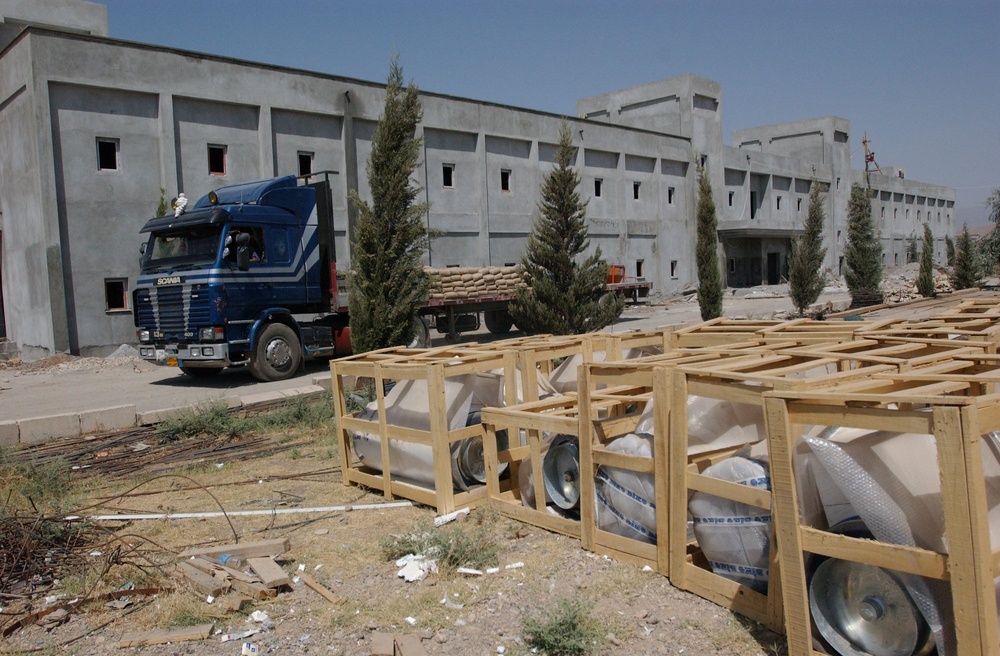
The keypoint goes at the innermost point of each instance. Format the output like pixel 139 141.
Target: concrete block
pixel 151 417
pixel 262 397
pixel 305 392
pixel 107 419
pixel 10 434
pixel 325 381
pixel 41 429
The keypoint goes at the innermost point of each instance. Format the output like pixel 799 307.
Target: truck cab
pixel 241 278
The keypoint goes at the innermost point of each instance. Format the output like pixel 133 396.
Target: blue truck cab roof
pixel 220 205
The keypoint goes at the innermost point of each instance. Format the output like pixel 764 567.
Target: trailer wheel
pixel 498 322
pixel 421 337
pixel 277 355
pixel 201 372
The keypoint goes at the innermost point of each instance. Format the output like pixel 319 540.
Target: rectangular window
pixel 895 212
pixel 107 154
pixel 777 203
pixel 115 294
pixel 448 175
pixel 216 159
pixel 732 194
pixel 504 179
pixel 638 269
pixel 673 268
pixel 798 205
pixel 598 187
pixel 635 190
pixel 305 163
pixel 670 195
pixel 838 236
pixel 883 212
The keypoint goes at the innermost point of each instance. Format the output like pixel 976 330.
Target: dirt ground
pixel 637 612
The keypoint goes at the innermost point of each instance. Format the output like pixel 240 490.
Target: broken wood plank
pixel 199 580
pixel 221 571
pixel 234 602
pixel 271 575
pixel 383 644
pixel 253 590
pixel 161 636
pixel 271 548
pixel 409 645
pixel 324 592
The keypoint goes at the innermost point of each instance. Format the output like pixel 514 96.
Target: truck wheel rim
pixel 278 353
pixel 862 609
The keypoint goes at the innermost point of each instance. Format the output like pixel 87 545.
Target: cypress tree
pixel 388 282
pixel 968 271
pixel 563 295
pixel 949 244
pixel 925 279
pixel 863 255
pixel 706 251
pixel 805 282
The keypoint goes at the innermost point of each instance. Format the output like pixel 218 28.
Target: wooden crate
pixel 942 400
pixel 434 366
pixel 903 354
pixel 717 332
pixel 977 329
pixel 811 331
pixel 527 423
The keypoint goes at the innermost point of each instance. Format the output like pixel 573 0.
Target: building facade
pixel 92 129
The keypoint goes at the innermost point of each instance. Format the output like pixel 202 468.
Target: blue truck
pixel 248 276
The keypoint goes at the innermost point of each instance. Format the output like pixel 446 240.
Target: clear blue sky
pixel 922 77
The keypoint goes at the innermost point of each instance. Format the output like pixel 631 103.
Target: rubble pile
pixel 900 285
pixel 467 282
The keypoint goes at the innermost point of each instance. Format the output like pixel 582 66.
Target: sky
pixel 920 77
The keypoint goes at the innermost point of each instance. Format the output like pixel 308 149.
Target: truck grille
pixel 174 310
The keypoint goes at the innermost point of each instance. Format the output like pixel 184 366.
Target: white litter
pixel 469 571
pixel 450 517
pixel 517 565
pixel 411 621
pixel 237 636
pixel 259 616
pixel 415 567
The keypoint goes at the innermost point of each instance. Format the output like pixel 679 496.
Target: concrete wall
pixel 69 15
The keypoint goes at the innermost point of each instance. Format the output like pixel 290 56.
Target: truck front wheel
pixel 277 355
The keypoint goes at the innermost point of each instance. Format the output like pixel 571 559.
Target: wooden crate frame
pixel 433 366
pixel 561 415
pixel 925 400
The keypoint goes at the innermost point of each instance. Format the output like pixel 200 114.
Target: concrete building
pixel 92 128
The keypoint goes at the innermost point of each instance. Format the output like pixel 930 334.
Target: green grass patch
pixel 36 486
pixel 565 630
pixel 216 419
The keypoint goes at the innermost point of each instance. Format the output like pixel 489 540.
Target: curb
pixel 34 430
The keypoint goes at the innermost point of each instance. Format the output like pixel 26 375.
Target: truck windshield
pixel 182 249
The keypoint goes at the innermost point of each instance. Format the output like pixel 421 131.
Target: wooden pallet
pixel 433 366
pixel 943 400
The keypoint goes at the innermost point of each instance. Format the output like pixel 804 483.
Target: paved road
pixel 90 384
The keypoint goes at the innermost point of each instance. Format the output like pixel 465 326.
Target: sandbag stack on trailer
pixel 471 282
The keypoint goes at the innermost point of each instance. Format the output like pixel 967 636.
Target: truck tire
pixel 421 338
pixel 277 355
pixel 201 372
pixel 498 322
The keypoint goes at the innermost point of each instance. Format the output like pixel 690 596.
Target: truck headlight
pixel 143 335
pixel 211 334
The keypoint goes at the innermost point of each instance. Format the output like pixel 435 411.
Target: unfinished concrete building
pixel 92 128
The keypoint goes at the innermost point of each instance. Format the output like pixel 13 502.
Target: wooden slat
pixel 319 588
pixel 274 547
pixel 163 636
pixel 271 575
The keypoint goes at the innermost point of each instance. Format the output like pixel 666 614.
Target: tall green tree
pixel 967 272
pixel 949 245
pixel 805 281
pixel 161 205
pixel 990 245
pixel 388 282
pixel 863 254
pixel 565 293
pixel 706 251
pixel 925 279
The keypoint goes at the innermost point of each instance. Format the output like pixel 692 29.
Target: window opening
pixel 504 179
pixel 638 268
pixel 216 159
pixel 673 268
pixel 107 154
pixel 732 194
pixel 115 294
pixel 305 163
pixel 598 187
pixel 635 190
pixel 448 175
pixel 670 195
pixel 777 203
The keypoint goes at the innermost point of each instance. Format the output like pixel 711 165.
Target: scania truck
pixel 248 276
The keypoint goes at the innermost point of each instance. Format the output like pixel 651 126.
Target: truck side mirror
pixel 142 248
pixel 243 252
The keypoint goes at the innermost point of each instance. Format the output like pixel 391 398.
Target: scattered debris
pixel 315 585
pixel 441 520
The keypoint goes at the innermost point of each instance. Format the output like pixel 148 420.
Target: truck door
pixel 248 292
